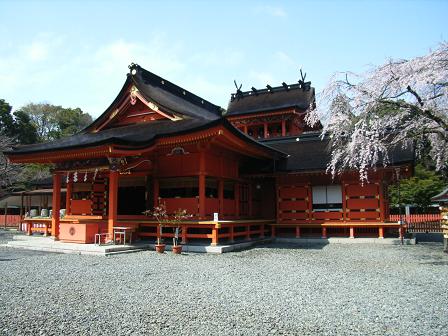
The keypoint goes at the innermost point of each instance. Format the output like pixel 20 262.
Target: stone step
pixel 32 238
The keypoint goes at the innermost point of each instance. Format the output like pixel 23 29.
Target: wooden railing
pixel 420 222
pixel 10 220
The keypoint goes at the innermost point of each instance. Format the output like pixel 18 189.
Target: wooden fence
pixel 10 220
pixel 420 222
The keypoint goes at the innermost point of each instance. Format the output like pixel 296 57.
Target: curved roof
pixel 197 114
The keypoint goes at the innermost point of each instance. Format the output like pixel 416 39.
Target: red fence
pixel 10 220
pixel 420 222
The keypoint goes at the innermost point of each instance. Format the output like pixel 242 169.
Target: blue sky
pixel 75 53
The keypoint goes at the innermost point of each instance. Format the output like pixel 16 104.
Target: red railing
pixel 10 220
pixel 420 222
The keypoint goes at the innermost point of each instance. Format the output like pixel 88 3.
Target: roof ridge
pixel 153 79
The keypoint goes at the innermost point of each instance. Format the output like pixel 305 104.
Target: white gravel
pixel 323 290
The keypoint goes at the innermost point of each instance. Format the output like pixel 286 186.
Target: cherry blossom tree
pixel 401 103
pixel 8 172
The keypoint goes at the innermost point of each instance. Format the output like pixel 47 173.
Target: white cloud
pixel 285 59
pixel 262 78
pixel 89 76
pixel 212 58
pixel 271 10
pixel 37 51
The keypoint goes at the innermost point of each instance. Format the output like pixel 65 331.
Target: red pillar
pixel 265 129
pixel 113 202
pixel 56 205
pixel 214 236
pixel 298 232
pixel 184 234
pixel 245 129
pixel 221 197
pixel 324 232
pixel 202 185
pixel 249 199
pixel 381 232
pixel 352 232
pixel 231 233
pixel 68 196
pixel 155 192
pixel 283 128
pixel 237 199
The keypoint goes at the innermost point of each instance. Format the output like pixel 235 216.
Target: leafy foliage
pixel 54 122
pixel 18 126
pixel 401 103
pixel 30 124
pixel 418 189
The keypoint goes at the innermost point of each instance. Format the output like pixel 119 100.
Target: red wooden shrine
pixel 257 165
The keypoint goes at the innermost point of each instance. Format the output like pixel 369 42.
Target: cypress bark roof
pixel 276 98
pixel 311 153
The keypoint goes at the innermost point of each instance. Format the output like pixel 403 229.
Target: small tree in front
pixel 160 213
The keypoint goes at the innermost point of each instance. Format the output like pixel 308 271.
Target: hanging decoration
pixel 75 176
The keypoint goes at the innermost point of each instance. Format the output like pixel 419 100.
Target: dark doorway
pixel 131 200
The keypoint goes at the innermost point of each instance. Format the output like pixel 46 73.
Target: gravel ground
pixel 319 290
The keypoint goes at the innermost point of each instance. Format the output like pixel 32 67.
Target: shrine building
pixel 257 166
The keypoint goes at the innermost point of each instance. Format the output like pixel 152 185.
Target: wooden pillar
pixel 245 129
pixel 221 197
pixel 56 205
pixel 249 199
pixel 29 225
pixel 352 232
pixel 283 127
pixel 237 200
pixel 324 232
pixel 298 235
pixel 22 213
pixel 155 192
pixel 265 130
pixel 113 202
pixel 214 236
pixel 68 196
pixel 344 201
pixel 202 185
pixel 231 234
pixel 381 196
pixel 5 220
pixel 184 234
pixel 381 232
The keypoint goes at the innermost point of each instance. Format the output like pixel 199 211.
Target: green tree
pixel 6 119
pixel 54 122
pixel 418 189
pixel 18 126
pixel 24 130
